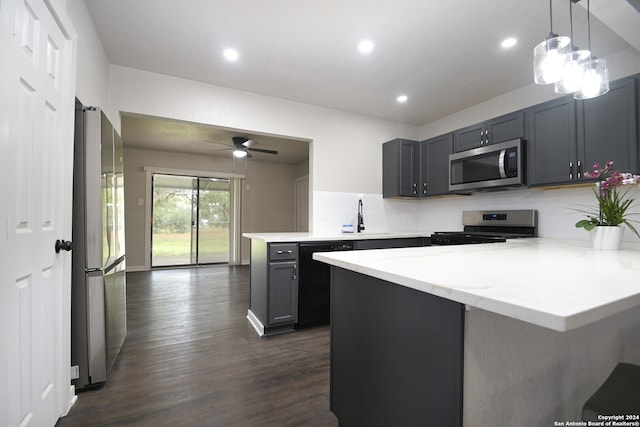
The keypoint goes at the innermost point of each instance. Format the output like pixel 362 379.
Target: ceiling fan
pixel 242 146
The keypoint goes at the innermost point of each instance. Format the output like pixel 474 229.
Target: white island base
pixel 520 374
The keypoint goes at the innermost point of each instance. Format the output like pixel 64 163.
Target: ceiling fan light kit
pixel 556 60
pixel 239 153
pixel 242 146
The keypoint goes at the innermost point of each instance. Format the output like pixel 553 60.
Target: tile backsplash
pixel 557 213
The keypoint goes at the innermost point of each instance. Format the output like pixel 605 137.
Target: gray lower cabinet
pixel 566 137
pixel 283 292
pixel 274 285
pixel 503 128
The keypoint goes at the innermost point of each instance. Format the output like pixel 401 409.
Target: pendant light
pixel 548 56
pixel 595 81
pixel 574 65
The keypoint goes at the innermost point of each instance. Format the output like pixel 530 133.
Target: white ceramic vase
pixel 607 237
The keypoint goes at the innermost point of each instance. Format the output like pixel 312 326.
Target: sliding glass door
pixel 213 220
pixel 190 223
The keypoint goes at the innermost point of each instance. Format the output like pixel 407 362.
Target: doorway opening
pixel 191 217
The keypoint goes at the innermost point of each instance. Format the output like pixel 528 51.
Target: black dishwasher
pixel 314 283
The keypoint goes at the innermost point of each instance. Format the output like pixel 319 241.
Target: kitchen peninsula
pixel 291 290
pixel 516 333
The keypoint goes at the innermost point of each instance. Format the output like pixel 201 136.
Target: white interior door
pixel 36 139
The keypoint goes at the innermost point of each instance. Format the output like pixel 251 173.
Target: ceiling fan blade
pixel 220 149
pixel 239 140
pixel 261 150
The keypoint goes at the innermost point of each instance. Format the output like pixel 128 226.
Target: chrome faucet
pixel 360 217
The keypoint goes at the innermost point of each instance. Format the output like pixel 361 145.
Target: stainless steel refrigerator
pixel 98 288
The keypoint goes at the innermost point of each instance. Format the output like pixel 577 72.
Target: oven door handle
pixel 503 172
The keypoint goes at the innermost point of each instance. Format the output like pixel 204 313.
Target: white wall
pixel 345 148
pixel 92 69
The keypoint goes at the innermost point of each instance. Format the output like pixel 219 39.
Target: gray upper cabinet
pixel 551 142
pixel 434 165
pixel 400 168
pixel 608 128
pixel 503 128
pixel 566 137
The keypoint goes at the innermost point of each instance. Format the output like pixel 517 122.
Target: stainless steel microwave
pixel 488 167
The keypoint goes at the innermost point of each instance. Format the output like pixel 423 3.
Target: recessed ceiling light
pixel 366 46
pixel 510 42
pixel 231 54
pixel 402 99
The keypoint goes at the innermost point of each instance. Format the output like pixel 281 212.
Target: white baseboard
pixel 137 268
pixel 73 398
pixel 257 325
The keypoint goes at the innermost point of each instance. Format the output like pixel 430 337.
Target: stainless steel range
pixel 490 227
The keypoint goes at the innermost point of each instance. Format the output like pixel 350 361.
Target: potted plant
pixel 604 223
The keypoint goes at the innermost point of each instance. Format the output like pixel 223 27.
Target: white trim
pixel 133 268
pixel 148 196
pixel 191 172
pixel 235 226
pixel 296 201
pixel 257 325
pixel 73 398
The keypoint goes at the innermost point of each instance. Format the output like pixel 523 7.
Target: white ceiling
pixel 444 55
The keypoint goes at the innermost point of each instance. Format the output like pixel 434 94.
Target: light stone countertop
pixel 553 283
pixel 318 237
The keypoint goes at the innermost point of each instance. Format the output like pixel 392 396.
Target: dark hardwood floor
pixel 192 359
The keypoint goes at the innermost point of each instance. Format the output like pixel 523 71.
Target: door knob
pixel 63 245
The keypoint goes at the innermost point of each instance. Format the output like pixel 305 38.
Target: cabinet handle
pixel 570 170
pixel 284 252
pixel 481 136
pixel 579 169
pixel 486 136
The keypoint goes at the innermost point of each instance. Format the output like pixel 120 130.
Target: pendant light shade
pixel 548 56
pixel 596 79
pixel 549 59
pixel 573 71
